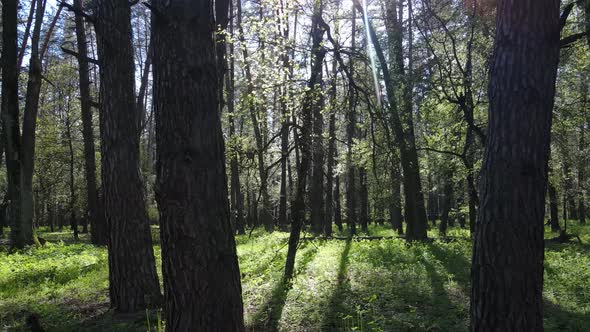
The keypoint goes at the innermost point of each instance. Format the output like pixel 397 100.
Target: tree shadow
pixel 580 247
pixel 558 318
pixel 455 263
pixel 334 304
pixel 442 307
pixel 268 315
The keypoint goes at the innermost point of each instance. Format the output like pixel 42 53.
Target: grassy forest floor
pixel 340 285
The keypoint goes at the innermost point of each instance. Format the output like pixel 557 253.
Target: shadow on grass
pixel 330 321
pixel 558 318
pixel 574 244
pixel 455 263
pixel 444 313
pixel 268 315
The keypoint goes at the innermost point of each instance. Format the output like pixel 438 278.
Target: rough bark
pixel 19 235
pixel 133 282
pixel 200 266
pixel 507 264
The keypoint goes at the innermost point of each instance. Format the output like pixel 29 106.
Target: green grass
pixel 368 285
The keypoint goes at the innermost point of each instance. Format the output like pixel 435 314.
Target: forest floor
pixel 340 285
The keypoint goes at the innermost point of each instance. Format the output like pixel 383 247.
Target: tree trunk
pixel 132 272
pixel 447 202
pixel 569 188
pixel 265 215
pixel 337 205
pixel 72 184
pixel 582 177
pixel 26 34
pixel 554 221
pixel 98 231
pixel 200 266
pixel 283 31
pixel 331 153
pixel 507 264
pixel 298 205
pixel 403 127
pixel 237 201
pixel 364 200
pixel 30 120
pixel 20 235
pixel 350 133
pixel 316 186
pixel 395 207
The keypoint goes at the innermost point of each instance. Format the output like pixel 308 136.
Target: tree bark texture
pixel 133 282
pixel 507 265
pixel 199 261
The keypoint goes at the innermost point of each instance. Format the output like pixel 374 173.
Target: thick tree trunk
pixel 507 265
pixel 20 235
pixel 98 230
pixel 200 266
pixel 132 272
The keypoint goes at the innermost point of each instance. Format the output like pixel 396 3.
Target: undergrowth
pixel 339 285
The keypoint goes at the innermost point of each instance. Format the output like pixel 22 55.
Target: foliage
pixel 360 285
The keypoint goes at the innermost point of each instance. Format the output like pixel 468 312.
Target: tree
pixel 98 231
pixel 200 267
pixel 133 282
pixel 401 119
pixel 507 266
pixel 20 235
pixel 318 54
pixel 351 203
pixel 258 118
pixel 237 200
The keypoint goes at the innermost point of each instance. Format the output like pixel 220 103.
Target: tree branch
pixel 78 56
